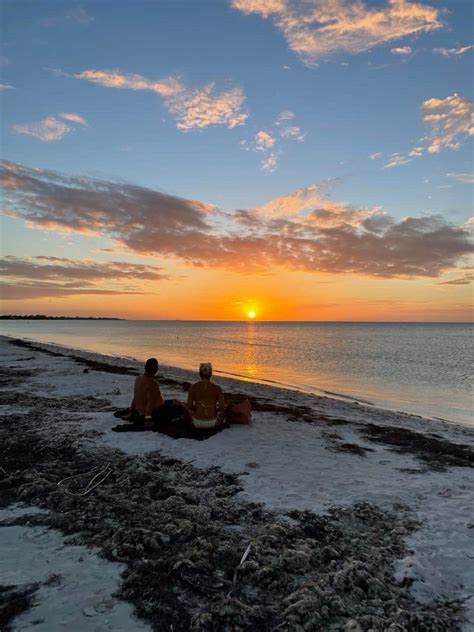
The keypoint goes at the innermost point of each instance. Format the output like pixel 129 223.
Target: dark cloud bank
pixel 335 239
pixel 42 277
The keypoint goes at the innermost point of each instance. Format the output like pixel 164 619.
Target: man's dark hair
pixel 151 365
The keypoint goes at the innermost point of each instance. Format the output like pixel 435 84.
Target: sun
pixel 251 314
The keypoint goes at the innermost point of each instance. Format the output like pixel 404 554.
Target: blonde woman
pixel 206 401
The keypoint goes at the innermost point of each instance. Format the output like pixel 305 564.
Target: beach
pixel 421 368
pixel 325 514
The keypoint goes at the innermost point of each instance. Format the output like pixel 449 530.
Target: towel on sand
pixel 179 429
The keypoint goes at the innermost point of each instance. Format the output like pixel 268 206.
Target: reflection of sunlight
pixel 249 360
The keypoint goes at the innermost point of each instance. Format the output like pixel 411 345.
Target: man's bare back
pixel 146 395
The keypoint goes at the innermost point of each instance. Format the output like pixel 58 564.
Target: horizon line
pixel 243 320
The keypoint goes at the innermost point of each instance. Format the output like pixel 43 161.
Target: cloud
pixel 416 152
pixel 74 118
pixel 465 279
pixel 267 142
pixel 17 292
pixel 402 50
pixel 376 156
pixel 318 29
pixel 452 52
pixel 41 276
pixel 467 178
pixel 293 132
pixel 51 128
pixel 89 206
pixel 284 116
pixel 72 16
pixel 270 163
pixel 299 202
pixel 191 107
pixel 300 231
pixel 263 141
pixel 451 120
pixel 395 160
pixel 6 86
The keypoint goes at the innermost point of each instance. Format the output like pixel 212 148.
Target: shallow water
pixel 424 368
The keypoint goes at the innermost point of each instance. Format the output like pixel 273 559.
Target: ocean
pixel 421 368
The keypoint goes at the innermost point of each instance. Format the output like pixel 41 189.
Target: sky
pixel 203 159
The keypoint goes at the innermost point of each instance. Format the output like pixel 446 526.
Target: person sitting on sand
pixel 206 400
pixel 148 406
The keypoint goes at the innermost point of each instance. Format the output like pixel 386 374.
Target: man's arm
pixel 132 405
pixel 190 403
pixel 221 400
pixel 153 396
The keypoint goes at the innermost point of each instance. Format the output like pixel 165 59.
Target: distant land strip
pixel 44 317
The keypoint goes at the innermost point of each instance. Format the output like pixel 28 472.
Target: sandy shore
pixel 356 518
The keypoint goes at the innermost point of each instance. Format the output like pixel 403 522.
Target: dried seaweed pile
pixel 181 532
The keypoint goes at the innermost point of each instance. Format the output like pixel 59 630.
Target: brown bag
pixel 240 413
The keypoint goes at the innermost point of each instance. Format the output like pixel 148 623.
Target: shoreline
pixel 327 493
pixel 240 379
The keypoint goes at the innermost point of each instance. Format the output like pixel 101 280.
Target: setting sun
pixel 251 314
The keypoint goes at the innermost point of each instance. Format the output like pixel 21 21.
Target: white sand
pixel 287 465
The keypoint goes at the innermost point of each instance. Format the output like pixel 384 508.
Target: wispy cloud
pixel 191 107
pixel 395 160
pixel 467 178
pixel 51 128
pixel 74 118
pixel 376 155
pixel 288 130
pixel 300 231
pixel 270 163
pixel 269 142
pixel 453 52
pixel 402 50
pixel 318 29
pixel 76 15
pixel 450 122
pixel 465 279
pixel 293 132
pixel 6 86
pixel 263 142
pixel 40 277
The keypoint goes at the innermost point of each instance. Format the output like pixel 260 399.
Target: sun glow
pixel 251 315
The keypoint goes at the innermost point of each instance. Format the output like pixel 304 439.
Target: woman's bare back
pixel 206 400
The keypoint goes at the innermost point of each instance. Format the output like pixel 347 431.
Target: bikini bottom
pixel 205 423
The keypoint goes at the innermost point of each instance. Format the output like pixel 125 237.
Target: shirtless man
pixel 148 403
pixel 206 400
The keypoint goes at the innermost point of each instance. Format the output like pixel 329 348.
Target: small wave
pixel 349 397
pixel 236 341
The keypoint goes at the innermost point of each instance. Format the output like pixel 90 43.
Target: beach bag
pixel 240 413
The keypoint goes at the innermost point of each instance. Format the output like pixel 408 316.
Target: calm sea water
pixel 420 368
